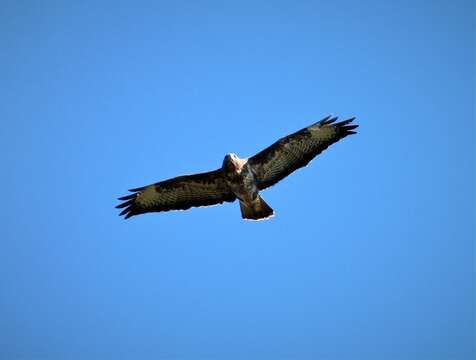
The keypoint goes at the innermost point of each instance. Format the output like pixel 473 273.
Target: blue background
pixel 371 252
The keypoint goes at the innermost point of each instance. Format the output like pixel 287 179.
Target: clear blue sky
pixel 371 252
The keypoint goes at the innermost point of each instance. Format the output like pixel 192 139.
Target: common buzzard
pixel 239 178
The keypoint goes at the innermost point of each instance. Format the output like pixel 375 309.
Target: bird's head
pixel 230 162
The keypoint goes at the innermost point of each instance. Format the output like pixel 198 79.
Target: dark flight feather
pixel 296 150
pixel 179 193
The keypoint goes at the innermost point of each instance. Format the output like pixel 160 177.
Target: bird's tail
pixel 257 210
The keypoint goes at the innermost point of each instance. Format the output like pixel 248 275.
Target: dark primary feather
pixel 296 150
pixel 179 193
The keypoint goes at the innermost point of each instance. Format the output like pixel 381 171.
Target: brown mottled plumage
pixel 239 178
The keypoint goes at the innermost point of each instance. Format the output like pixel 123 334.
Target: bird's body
pixel 237 178
pixel 242 184
pixel 241 179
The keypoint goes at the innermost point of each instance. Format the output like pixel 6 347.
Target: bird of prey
pixel 237 178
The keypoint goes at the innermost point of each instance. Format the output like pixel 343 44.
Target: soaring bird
pixel 237 178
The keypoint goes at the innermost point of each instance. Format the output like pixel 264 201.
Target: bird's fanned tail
pixel 258 210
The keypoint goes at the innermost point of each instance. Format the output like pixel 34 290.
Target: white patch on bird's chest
pixel 239 164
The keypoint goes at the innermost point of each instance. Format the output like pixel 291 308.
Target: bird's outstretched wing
pixel 179 193
pixel 296 150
